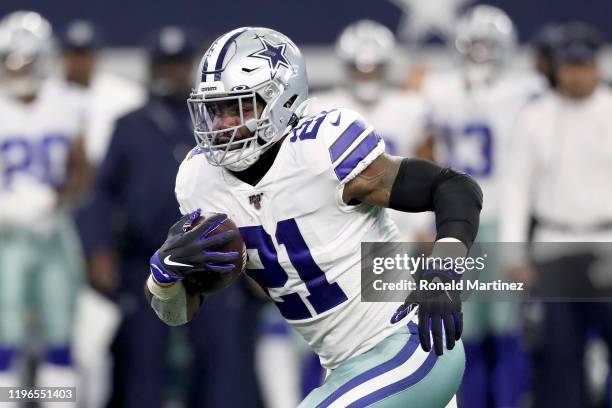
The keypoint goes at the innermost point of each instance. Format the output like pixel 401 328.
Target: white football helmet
pixel 241 68
pixel 485 38
pixel 27 50
pixel 366 47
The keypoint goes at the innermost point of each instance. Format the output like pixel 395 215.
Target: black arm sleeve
pixel 455 197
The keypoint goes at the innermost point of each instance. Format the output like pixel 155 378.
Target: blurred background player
pixel 104 98
pixel 130 206
pixel 107 96
pixel 43 171
pixel 560 174
pixel 365 49
pixel 544 43
pixel 472 112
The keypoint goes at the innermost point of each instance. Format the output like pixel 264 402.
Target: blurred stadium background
pixel 254 361
pixel 126 25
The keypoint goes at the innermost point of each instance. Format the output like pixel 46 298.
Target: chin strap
pixel 299 113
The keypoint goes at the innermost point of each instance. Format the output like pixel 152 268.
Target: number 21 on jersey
pixel 323 295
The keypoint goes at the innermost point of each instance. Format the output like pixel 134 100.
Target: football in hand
pixel 209 282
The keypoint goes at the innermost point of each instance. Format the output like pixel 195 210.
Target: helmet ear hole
pixel 260 106
pixel 294 118
pixel 290 101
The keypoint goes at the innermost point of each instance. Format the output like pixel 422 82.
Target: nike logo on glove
pixel 170 262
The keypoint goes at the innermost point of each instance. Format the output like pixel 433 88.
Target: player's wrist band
pixel 163 292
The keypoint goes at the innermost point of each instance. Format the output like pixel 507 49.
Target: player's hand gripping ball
pixel 204 250
pixel 233 253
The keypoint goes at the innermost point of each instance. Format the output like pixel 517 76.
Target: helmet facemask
pixel 19 76
pixel 248 130
pixel 485 39
pixel 366 48
pixel 482 60
pixel 250 84
pixel 367 83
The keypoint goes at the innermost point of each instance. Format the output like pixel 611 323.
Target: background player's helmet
pixel 366 47
pixel 243 66
pixel 485 38
pixel 26 52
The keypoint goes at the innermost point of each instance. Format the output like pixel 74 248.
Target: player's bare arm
pixel 415 185
pixel 373 185
pixel 78 170
pixel 426 149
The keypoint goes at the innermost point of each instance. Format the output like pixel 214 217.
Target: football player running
pixel 323 183
pixel 472 111
pixel 365 49
pixel 42 170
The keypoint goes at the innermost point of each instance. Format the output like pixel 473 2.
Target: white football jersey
pixel 400 118
pixel 35 140
pixel 473 126
pixel 303 242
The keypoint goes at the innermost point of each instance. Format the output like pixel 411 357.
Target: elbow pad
pixel 457 203
pixel 455 197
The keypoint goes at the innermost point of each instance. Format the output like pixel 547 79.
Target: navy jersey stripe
pixel 356 155
pixel 347 137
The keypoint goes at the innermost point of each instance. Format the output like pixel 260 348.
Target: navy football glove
pixel 436 309
pixel 187 252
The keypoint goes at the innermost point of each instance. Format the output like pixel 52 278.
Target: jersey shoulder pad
pixel 341 141
pixel 193 172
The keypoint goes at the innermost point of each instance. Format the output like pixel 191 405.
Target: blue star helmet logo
pixel 274 54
